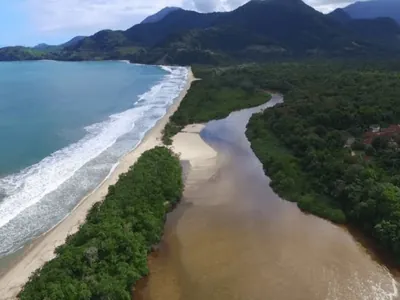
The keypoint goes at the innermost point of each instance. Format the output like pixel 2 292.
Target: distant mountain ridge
pixel 42 46
pixel 73 41
pixel 382 30
pixel 259 30
pixel 374 9
pixel 159 15
pixel 340 15
pixel 47 47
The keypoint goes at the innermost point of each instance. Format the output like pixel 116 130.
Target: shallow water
pixel 232 237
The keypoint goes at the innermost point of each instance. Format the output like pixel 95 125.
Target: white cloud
pixel 328 5
pixel 56 15
pixel 213 5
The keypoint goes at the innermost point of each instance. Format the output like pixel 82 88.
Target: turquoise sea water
pixel 63 127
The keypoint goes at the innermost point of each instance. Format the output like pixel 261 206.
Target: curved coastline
pixel 42 250
pixel 40 192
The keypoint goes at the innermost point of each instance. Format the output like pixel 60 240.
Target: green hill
pixel 21 53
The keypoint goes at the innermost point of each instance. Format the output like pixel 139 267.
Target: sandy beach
pixel 42 250
pixel 191 147
pixel 203 159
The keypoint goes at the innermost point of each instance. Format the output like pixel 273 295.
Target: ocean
pixel 63 128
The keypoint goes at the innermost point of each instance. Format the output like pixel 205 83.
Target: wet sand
pixel 232 237
pixel 40 251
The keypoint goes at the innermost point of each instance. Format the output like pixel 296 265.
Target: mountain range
pixel 260 30
pixel 160 15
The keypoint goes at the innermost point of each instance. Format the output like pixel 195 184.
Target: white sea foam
pixel 27 188
pixel 386 291
pixel 167 68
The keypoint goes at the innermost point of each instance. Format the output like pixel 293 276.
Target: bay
pixel 63 128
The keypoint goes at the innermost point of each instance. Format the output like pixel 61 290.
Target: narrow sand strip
pixel 43 250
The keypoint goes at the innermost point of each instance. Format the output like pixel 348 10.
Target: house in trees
pixel 392 133
pixel 349 142
pixel 375 128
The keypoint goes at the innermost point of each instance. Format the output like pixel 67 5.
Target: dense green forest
pixel 215 96
pixel 313 146
pixel 108 254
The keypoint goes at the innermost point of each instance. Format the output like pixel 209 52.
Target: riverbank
pixel 231 236
pixel 43 249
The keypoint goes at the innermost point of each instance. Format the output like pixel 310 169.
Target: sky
pixel 30 22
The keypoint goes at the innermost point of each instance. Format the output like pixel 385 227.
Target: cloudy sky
pixel 29 22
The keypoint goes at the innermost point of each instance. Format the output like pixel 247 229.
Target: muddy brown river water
pixel 233 238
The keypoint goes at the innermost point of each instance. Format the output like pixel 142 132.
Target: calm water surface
pixel 234 238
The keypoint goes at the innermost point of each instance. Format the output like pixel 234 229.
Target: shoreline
pixel 42 249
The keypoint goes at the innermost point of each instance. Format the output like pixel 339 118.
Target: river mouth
pixel 232 237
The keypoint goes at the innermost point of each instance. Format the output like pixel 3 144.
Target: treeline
pixel 19 53
pixel 219 92
pixel 313 148
pixel 108 254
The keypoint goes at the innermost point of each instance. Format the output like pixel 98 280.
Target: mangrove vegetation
pixel 333 146
pixel 108 254
pixel 214 96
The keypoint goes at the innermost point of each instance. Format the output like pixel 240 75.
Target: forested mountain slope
pixel 374 9
pixel 383 30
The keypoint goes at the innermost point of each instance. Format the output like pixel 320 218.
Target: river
pixel 233 238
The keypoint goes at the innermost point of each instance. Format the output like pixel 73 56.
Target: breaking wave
pixel 38 197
